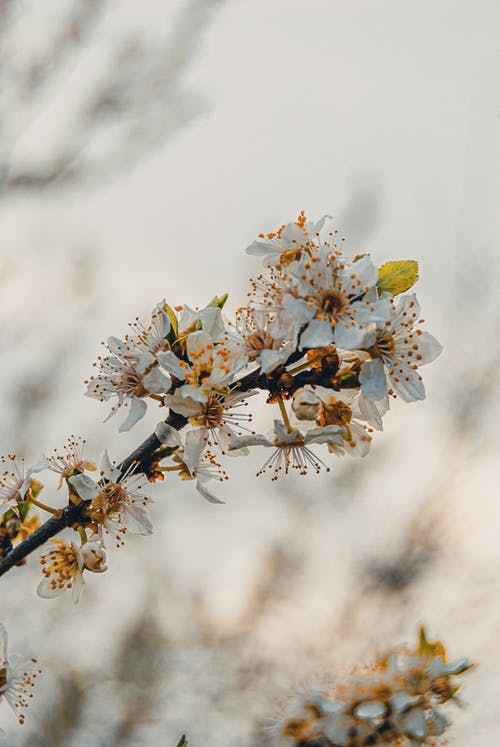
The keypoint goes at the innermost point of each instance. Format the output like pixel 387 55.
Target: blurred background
pixel 142 148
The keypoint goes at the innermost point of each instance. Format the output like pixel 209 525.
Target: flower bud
pixel 305 404
pixel 94 556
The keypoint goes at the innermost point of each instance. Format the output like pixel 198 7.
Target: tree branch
pixel 141 460
pixel 141 457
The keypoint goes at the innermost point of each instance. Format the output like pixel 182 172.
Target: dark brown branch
pixel 142 457
pixel 278 382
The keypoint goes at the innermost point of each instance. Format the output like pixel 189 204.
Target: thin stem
pixel 57 512
pixel 284 414
pixel 304 366
pixel 156 397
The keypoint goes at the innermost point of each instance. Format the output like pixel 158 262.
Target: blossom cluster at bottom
pixel 398 700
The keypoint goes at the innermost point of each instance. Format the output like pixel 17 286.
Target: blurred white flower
pixel 395 701
pixel 17 678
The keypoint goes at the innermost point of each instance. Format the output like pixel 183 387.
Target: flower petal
pixel 137 411
pixel 84 486
pixel 319 333
pixel 372 380
pixel 202 490
pixel 171 363
pixel 156 382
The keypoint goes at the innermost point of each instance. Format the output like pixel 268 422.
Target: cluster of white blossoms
pixel 398 700
pixel 328 339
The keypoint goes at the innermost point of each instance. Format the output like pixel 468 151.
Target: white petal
pixel 136 519
pixel 359 445
pixel 335 729
pixel 187 318
pixel 84 486
pixel 193 392
pixel 205 493
pixel 212 322
pixel 282 327
pixel 349 336
pixel 199 348
pixel 183 405
pixel 264 249
pixel 406 382
pixel 319 333
pixel 167 435
pixel 370 709
pixel 156 382
pixel 3 644
pixel 243 441
pixel 78 584
pixel 137 411
pixel 401 701
pixel 372 380
pixel 326 435
pixel 269 359
pixel 298 308
pixel 117 347
pixel 414 723
pixel 171 363
pixel 438 667
pixel 45 590
pixel 195 443
pixel 105 464
pixel 144 361
pixel 437 723
pixel 429 348
pixel 371 411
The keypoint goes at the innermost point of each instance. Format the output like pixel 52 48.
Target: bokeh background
pixel 142 147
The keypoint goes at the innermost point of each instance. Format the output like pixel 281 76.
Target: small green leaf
pixel 429 648
pixel 172 335
pixel 397 277
pixel 218 301
pixel 182 741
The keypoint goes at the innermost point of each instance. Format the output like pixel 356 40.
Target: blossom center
pixel 332 302
pixel 384 346
pixel 335 413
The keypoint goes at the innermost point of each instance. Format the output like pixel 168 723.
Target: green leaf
pixel 397 277
pixel 174 331
pixel 218 301
pixel 429 648
pixel 182 741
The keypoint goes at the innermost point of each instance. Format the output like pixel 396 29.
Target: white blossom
pixel 117 504
pixel 291 447
pixel 62 569
pixel 397 348
pixel 16 479
pixel 266 338
pixel 127 375
pixel 210 366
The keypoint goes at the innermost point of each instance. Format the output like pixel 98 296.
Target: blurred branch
pixel 137 100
